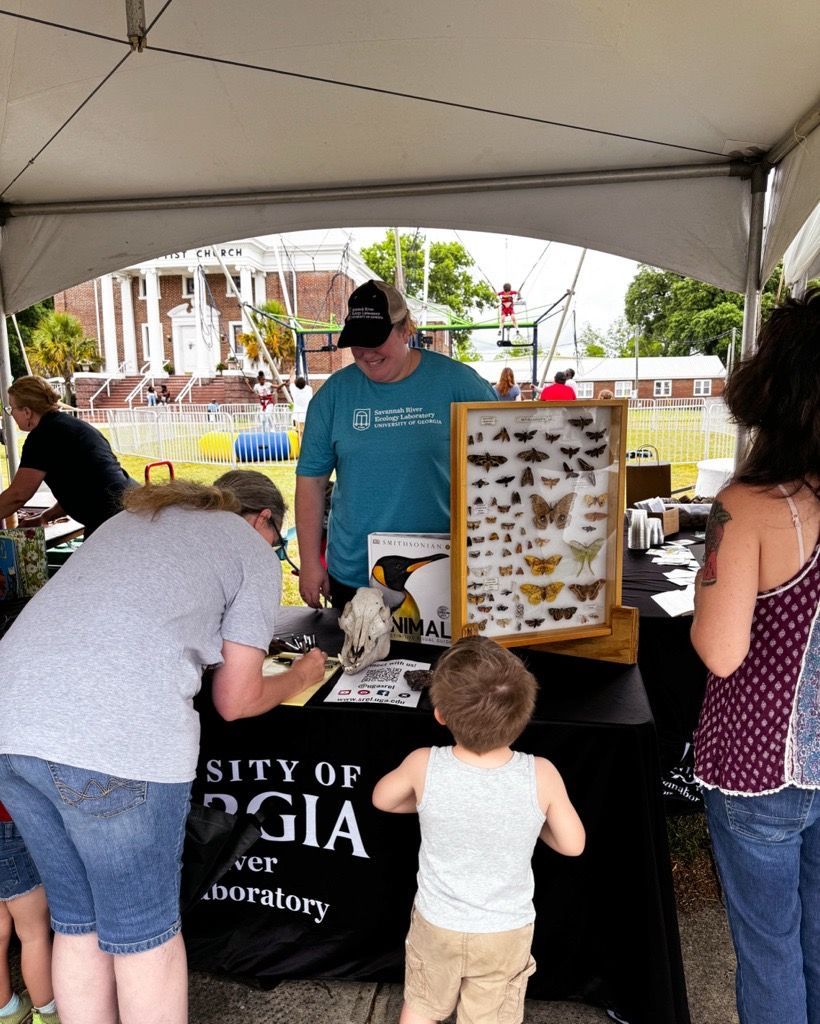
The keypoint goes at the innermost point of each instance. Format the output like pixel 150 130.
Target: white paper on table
pixel 676 602
pixel 686 540
pixel 382 682
pixel 683 577
pixel 674 556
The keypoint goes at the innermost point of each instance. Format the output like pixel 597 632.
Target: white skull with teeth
pixel 365 622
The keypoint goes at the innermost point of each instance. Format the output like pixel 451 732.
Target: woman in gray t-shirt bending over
pixel 99 737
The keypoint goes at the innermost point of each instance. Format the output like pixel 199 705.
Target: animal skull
pixel 366 625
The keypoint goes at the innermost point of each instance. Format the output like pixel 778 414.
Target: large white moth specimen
pixel 365 622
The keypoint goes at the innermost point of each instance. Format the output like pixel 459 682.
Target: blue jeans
pixel 109 850
pixel 767 850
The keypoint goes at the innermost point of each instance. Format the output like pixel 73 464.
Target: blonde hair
pixel 34 393
pixel 485 694
pixel 242 491
pixel 506 381
pixel 606 393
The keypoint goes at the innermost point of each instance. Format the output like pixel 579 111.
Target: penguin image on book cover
pixel 412 573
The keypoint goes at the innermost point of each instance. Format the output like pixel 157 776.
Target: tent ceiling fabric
pixel 707 80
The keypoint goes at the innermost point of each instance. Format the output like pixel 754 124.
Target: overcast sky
pixel 522 261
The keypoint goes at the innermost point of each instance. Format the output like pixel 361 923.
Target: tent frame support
pixel 729 168
pixel 9 426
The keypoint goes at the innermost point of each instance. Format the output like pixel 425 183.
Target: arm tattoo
pixel 715 526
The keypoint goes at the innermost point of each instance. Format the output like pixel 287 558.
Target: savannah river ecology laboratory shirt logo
pixel 361 419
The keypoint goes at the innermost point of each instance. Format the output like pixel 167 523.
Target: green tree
pixel 450 280
pixel 278 339
pixel 59 345
pixel 27 320
pixel 680 315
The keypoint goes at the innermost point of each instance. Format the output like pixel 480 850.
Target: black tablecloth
pixel 328 895
pixel 673 674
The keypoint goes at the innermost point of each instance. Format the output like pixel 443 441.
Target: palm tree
pixel 278 339
pixel 59 345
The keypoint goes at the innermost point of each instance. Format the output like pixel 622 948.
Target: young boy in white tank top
pixel 482 807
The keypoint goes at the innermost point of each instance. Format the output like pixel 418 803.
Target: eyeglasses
pixel 280 545
pixel 7 409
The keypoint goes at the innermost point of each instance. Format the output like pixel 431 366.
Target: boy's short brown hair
pixel 484 693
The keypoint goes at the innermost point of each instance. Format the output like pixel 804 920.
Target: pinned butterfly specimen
pixel 485 608
pixel 505 570
pixel 544 513
pixel 480 483
pixel 527 478
pixel 549 481
pixel 587 591
pixel 588 467
pixel 595 435
pixel 593 517
pixel 552 438
pixel 562 613
pixel 569 470
pixel 487 461
pixel 588 529
pixel 542 566
pixel 504 480
pixel 580 421
pixel 569 452
pixel 595 499
pixel 503 623
pixel 525 435
pixel 595 452
pixel 502 435
pixel 515 498
pixel 535 593
pixel 533 623
pixel 584 554
pixel 531 455
pixel 479 598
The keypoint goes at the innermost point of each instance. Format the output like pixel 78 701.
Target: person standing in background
pixel 506 390
pixel 558 390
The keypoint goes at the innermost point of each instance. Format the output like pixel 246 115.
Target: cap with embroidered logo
pixel 373 310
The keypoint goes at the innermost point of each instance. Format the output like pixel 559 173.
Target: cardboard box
pixel 670 520
pixel 412 571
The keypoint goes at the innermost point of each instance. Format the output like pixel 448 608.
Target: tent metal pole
pixel 9 426
pixel 731 168
pixel 799 133
pixel 570 295
pixel 751 305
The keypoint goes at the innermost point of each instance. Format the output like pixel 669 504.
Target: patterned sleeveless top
pixel 759 729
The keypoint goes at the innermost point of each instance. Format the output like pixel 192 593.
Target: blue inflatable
pixel 261 446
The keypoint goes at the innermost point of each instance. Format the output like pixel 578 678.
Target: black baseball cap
pixel 373 310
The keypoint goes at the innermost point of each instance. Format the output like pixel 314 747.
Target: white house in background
pixel 659 377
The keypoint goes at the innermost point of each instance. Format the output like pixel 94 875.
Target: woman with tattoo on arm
pixel 757 629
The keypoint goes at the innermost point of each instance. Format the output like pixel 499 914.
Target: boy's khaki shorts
pixel 484 973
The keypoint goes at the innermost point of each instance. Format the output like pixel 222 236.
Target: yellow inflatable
pixel 217 446
pixel 293 439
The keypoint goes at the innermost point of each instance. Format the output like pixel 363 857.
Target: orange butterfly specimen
pixel 505 570
pixel 587 591
pixel 527 478
pixel 535 593
pixel 549 481
pixel 542 566
pixel 595 499
pixel 487 461
pixel 593 517
pixel 545 513
pixel 562 613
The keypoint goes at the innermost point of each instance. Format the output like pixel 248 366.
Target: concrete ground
pixel 708 961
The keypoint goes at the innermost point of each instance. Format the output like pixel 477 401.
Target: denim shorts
pixel 18 875
pixel 109 850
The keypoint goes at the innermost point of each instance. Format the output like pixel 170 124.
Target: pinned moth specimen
pixel 518 548
pixel 504 480
pixel 487 461
pixel 587 591
pixel 588 529
pixel 529 545
pixel 473 524
pixel 520 611
pixel 584 554
pixel 502 607
pixel 479 598
pixel 569 452
pixel 507 526
pixel 594 517
pixel 536 594
pixel 552 438
pixel 515 498
pixel 546 513
pixel 519 572
pixel 580 421
pixel 562 613
pixel 549 481
pixel 470 439
pixel 527 478
pixel 595 435
pixel 506 553
pixel 525 435
pixel 504 508
pixel 541 541
pixel 505 570
pixel 507 539
pixel 595 499
pixel 503 623
pixel 477 540
pixel 481 483
pixel 532 455
pixel 594 452
pixel 494 501
pixel 490 519
pixel 485 608
pixel 502 435
pixel 479 437
pixel 533 623
pixel 542 566
pixel 493 536
pixel 569 470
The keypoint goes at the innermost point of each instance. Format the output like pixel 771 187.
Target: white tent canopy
pixel 531 92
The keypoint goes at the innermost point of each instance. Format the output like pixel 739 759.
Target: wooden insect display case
pixel 536 524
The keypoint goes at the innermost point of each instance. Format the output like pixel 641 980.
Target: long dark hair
pixel 776 395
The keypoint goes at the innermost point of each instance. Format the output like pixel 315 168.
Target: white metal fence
pixel 233 434
pixel 683 430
